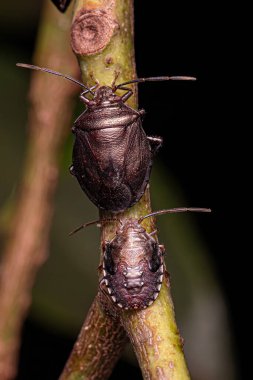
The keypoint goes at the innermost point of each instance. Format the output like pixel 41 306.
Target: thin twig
pixel 107 57
pixel 28 239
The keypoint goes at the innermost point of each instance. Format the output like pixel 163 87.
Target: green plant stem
pixel 98 347
pixel 28 239
pixel 153 331
pixel 156 340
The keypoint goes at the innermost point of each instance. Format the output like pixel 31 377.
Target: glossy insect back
pixel 62 5
pixel 112 155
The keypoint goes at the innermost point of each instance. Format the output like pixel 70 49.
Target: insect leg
pixel 72 170
pixel 101 288
pixel 127 95
pixel 83 97
pixel 162 249
pixel 62 5
pixel 155 143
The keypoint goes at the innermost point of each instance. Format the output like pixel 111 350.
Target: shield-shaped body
pixel 112 156
pixel 133 267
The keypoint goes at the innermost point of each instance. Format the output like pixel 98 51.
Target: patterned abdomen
pixel 134 287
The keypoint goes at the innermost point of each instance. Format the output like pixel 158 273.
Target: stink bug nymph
pixel 133 262
pixel 112 155
pixel 133 266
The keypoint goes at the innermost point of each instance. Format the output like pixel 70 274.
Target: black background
pixel 201 143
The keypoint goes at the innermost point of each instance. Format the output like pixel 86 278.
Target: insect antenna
pixel 97 222
pixel 156 79
pixel 174 211
pixel 33 67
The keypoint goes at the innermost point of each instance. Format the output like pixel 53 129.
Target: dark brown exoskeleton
pixel 112 156
pixel 133 264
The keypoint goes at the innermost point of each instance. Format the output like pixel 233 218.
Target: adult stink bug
pixel 133 264
pixel 112 156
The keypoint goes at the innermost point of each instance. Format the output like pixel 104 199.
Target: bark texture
pixel 102 38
